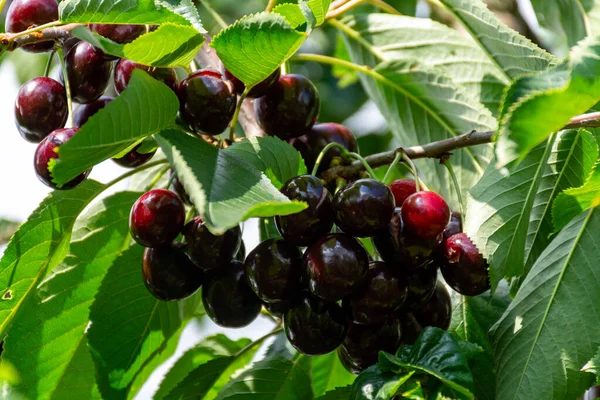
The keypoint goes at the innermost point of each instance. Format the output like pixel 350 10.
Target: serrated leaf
pixel 328 373
pixel 295 17
pixel 574 201
pixel 551 328
pixel 256 45
pixel 46 342
pixel 593 366
pixel 144 108
pixel 212 178
pixel 129 325
pixel 375 384
pixel 341 393
pixel 39 245
pixel 170 45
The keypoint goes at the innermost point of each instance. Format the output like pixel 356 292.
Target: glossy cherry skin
pixel 309 225
pixel 179 189
pixel 335 266
pixel 363 207
pixel 46 151
pixel 168 274
pixel 290 108
pixel 363 343
pixel 119 33
pixel 88 72
pixel 156 218
pixel 454 226
pixel 402 188
pixel 421 286
pixel 314 326
pixel 125 68
pixel 207 102
pixel 40 108
pixel 312 144
pixel 227 298
pixel 134 159
pixel 259 90
pixel 425 214
pixel 463 267
pixel 25 14
pixel 210 251
pixel 379 298
pixel 85 111
pixel 438 310
pixel 592 393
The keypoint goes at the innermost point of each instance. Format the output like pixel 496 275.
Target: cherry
pixel 207 102
pixel 306 226
pixel 425 214
pixel 179 189
pixel 314 326
pixel 85 111
pixel 312 144
pixel 379 298
pixel 168 274
pixel 421 286
pixel 363 207
pixel 274 269
pixel 40 108
pixel 402 188
pixel 411 329
pixel 210 251
pixel 118 33
pixel 125 68
pixel 259 90
pixel 363 343
pixel 592 393
pixel 463 267
pixel 227 298
pixel 290 108
pixel 134 158
pixel 454 226
pixel 277 309
pixel 46 151
pixel 156 218
pixel 25 14
pixel 335 266
pixel 88 72
pixel 437 311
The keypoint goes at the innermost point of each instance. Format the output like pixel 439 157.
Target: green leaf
pixel 551 328
pixel 293 13
pixel 144 108
pixel 39 245
pixel 170 45
pixel 573 202
pixel 328 373
pixel 46 342
pixel 256 45
pixel 225 201
pixel 277 159
pixel 129 325
pixel 593 366
pixel 138 12
pixel 375 384
pixel 341 393
pixel 566 21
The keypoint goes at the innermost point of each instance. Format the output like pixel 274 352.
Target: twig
pixel 12 41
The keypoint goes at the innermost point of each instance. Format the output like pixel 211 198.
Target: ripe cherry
pixel 46 151
pixel 125 68
pixel 156 218
pixel 259 90
pixel 210 251
pixel 379 298
pixel 179 189
pixel 425 214
pixel 274 269
pixel 85 111
pixel 25 14
pixel 437 311
pixel 134 158
pixel 290 108
pixel 168 274
pixel 119 33
pixel 88 72
pixel 277 309
pixel 363 207
pixel 207 102
pixel 335 266
pixel 314 326
pixel 402 188
pixel 454 226
pixel 40 108
pixel 421 286
pixel 227 298
pixel 463 267
pixel 306 226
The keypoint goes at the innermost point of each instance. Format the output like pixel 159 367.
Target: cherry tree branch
pixel 12 41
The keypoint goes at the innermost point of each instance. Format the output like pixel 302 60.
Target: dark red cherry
pixel 274 269
pixel 421 285
pixel 46 151
pixel 134 158
pixel 85 111
pixel 40 108
pixel 425 214
pixel 207 102
pixel 168 274
pixel 210 251
pixel 156 218
pixel 88 72
pixel 227 298
pixel 312 144
pixel 119 33
pixel 363 207
pixel 402 188
pixel 411 329
pixel 25 14
pixel 314 326
pixel 379 298
pixel 335 266
pixel 306 226
pixel 277 309
pixel 437 311
pixel 290 108
pixel 363 343
pixel 259 90
pixel 179 189
pixel 125 68
pixel 454 226
pixel 463 267
pixel 592 393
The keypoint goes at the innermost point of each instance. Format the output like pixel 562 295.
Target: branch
pixel 12 41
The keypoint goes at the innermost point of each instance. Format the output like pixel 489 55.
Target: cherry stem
pixel 278 329
pixel 355 3
pixel 135 171
pixel 343 150
pixel 157 178
pixel 236 115
pixel 391 168
pixel 191 213
pixel 63 65
pixel 268 315
pixel 365 164
pixel 49 64
pixel 2 3
pixel 170 181
pixel 413 167
pixel 217 17
pixel 461 204
pixel 271 5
